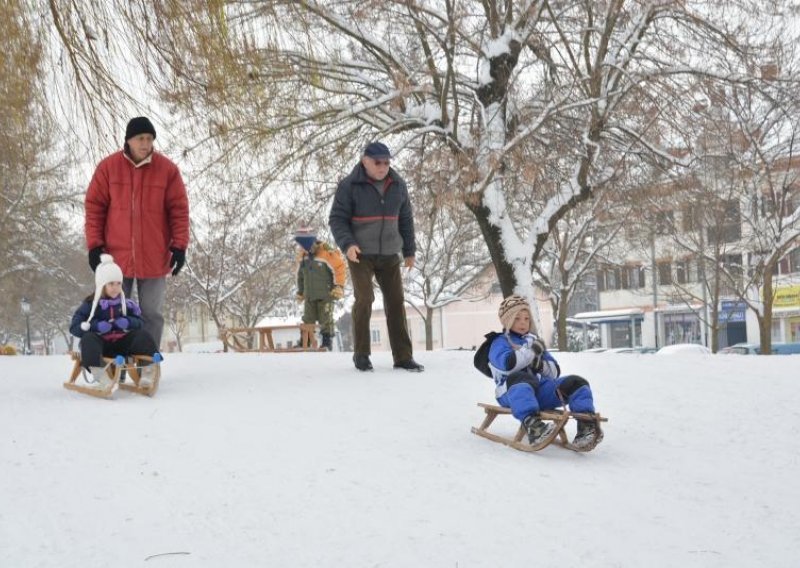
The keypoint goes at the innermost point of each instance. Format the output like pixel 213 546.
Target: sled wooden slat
pixel 518 442
pixel 130 367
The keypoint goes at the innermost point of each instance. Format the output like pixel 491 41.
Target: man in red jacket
pixel 137 210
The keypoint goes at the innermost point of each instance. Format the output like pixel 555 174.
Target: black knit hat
pixel 139 125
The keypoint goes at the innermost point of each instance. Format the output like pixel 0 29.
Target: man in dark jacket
pixel 372 222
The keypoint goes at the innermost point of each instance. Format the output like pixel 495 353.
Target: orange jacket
pixel 137 213
pixel 319 271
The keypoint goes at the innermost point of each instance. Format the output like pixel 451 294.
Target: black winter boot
pixel 538 430
pixel 362 362
pixel 326 342
pixel 587 435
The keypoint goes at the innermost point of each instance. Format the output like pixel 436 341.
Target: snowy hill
pixel 297 460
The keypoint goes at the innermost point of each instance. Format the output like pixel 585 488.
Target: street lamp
pixel 25 306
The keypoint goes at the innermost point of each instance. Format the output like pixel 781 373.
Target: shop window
pixel 682 328
pixel 777 335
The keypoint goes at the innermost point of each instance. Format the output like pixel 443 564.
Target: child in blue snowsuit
pixel 108 324
pixel 527 377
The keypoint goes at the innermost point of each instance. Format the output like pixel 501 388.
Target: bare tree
pixel 36 240
pixel 450 252
pixel 493 83
pixel 578 243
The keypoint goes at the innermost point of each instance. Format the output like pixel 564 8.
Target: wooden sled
pixel 519 442
pixel 131 366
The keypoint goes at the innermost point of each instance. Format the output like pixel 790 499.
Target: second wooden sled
pixel 518 442
pixel 132 366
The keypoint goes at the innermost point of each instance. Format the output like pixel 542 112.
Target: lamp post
pixel 25 306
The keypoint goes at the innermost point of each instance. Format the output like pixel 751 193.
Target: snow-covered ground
pixel 294 460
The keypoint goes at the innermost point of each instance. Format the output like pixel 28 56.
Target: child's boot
pixel 538 430
pixel 588 435
pixel 100 379
pixel 148 372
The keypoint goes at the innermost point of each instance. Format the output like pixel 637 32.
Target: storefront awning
pixel 609 316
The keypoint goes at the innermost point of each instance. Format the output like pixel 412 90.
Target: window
pixel 665 273
pixel 609 278
pixel 633 277
pixel 664 223
pixel 692 218
pixel 612 278
pixel 794 260
pixel 375 336
pixel 693 271
pixel 732 224
pixel 681 272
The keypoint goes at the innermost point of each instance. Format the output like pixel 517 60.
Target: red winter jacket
pixel 137 213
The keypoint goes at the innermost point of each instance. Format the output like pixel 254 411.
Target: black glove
pixel 178 260
pixel 94 257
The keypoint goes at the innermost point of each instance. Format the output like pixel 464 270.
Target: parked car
pixel 741 349
pixel 786 348
pixel 755 349
pixel 638 350
pixel 684 349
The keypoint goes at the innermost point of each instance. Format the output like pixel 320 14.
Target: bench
pixel 260 339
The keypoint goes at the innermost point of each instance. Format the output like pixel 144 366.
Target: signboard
pixel 731 311
pixel 787 297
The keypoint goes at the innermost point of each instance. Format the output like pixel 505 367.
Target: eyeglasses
pixel 381 162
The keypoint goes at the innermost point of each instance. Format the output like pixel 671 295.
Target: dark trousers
pixel 135 342
pixel 386 270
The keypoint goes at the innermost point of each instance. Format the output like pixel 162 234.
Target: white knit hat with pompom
pixel 107 271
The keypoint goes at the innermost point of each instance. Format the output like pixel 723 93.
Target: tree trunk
pixel 491 234
pixel 765 321
pixel 429 329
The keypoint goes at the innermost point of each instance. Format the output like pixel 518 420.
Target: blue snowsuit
pixel 527 390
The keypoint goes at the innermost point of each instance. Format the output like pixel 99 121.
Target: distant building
pixel 460 324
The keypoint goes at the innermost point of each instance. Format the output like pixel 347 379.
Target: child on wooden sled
pixel 527 378
pixel 109 325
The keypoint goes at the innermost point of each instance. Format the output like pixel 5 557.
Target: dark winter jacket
pixel 319 271
pixel 137 212
pixel 378 224
pixel 108 309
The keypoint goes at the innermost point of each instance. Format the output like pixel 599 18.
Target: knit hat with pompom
pixel 107 271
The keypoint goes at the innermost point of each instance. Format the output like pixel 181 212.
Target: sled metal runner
pixel 558 435
pixel 132 366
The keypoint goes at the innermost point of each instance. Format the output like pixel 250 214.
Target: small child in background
pixel 109 325
pixel 321 276
pixel 527 377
